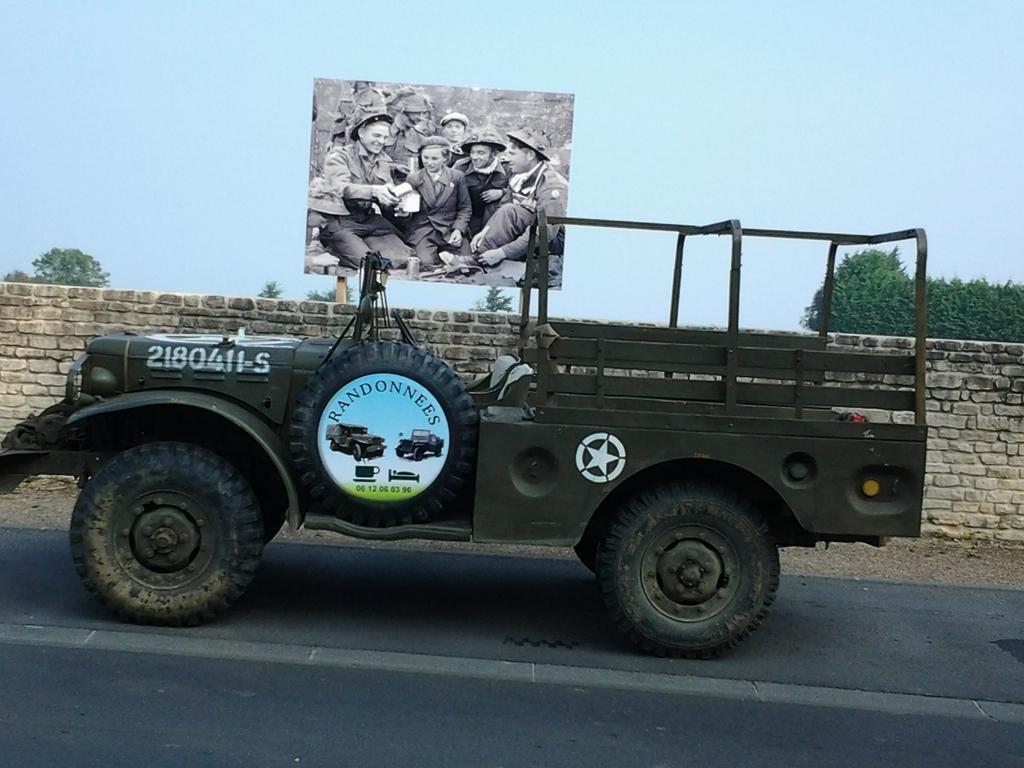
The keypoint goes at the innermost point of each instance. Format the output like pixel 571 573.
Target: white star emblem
pixel 600 457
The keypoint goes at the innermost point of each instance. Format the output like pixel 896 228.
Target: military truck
pixel 420 444
pixel 355 440
pixel 674 461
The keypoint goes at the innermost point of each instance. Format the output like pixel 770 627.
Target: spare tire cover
pixel 348 423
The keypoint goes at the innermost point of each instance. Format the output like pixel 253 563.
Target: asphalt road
pixel 345 656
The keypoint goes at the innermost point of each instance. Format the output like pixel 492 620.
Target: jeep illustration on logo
pixel 354 440
pixel 419 445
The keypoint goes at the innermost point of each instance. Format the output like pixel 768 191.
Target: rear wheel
pixel 687 570
pixel 167 533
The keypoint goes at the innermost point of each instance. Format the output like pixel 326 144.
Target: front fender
pixel 251 425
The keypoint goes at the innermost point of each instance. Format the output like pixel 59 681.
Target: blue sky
pixel 172 142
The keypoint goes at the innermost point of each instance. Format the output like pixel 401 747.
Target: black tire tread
pixel 238 502
pixel 619 530
pixel 387 357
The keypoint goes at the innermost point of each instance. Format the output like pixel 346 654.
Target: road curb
pixel 750 691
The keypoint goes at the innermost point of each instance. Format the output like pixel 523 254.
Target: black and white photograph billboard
pixel 443 181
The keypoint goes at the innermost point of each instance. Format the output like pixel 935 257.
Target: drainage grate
pixel 523 642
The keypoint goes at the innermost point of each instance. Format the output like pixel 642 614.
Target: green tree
pixel 494 301
pixel 69 266
pixel 271 290
pixel 872 293
pixel 17 276
pixel 324 295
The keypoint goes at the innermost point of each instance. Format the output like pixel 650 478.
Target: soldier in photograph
pixel 535 185
pixel 486 177
pixel 453 127
pixel 356 185
pixel 362 98
pixel 411 125
pixel 442 222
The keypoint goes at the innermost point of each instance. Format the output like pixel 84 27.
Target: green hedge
pixel 873 294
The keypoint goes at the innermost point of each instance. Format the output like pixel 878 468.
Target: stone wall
pixel 975 481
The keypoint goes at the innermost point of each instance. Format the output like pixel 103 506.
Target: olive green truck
pixel 674 461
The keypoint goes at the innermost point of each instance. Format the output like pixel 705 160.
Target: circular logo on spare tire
pixel 383 437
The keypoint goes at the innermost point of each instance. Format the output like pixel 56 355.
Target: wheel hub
pixel 689 573
pixel 164 538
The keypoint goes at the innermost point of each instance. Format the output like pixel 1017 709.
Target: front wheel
pixel 167 533
pixel 687 570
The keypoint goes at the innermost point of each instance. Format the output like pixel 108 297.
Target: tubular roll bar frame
pixel 538 258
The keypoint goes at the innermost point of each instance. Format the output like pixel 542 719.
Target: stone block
pixel 1008 410
pixel 30 326
pixel 945 420
pixel 944 380
pixel 968 469
pixel 41 365
pixel 966 409
pixel 989 446
pixel 456 353
pixel 996 423
pixel 43 342
pixel 979 382
pixel 946 494
pixel 1010 472
pixel 981 521
pixel 947 518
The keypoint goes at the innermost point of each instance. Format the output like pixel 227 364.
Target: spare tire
pixel 372 395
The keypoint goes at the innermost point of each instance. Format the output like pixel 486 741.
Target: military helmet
pixel 484 137
pixel 368 116
pixel 535 139
pixel 416 103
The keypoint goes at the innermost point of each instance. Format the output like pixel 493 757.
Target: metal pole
pixel 525 291
pixel 921 330
pixel 734 318
pixel 677 280
pixel 825 309
pixel 542 267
